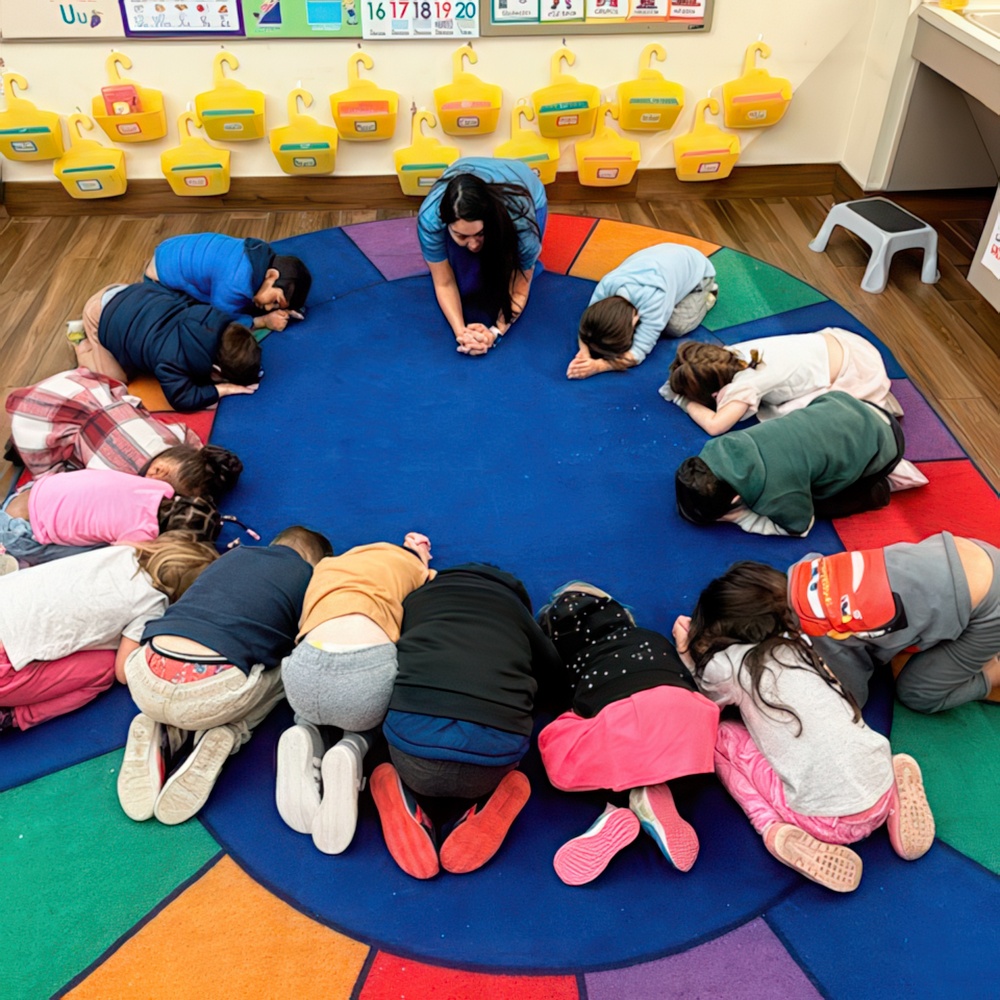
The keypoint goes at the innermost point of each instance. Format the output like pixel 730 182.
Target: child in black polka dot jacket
pixel 635 721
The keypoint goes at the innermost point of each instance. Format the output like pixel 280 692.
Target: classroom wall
pixel 838 56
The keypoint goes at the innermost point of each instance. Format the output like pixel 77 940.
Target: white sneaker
pixel 189 787
pixel 8 564
pixel 297 788
pixel 337 817
pixel 148 752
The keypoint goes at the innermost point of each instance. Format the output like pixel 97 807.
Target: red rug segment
pixel 957 499
pixel 392 977
pixel 565 236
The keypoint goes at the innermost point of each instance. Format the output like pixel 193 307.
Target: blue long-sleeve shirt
pixel 223 271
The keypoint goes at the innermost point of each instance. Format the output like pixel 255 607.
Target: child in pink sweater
pixel 57 515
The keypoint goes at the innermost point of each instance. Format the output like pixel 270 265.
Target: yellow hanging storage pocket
pixel 25 132
pixel 364 112
pixel 607 160
pixel 420 164
pixel 467 106
pixel 565 107
pixel 526 145
pixel 195 168
pixel 126 111
pixel 706 153
pixel 649 103
pixel 304 146
pixel 229 112
pixel 756 99
pixel 87 169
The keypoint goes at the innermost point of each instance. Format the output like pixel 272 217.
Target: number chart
pixel 387 19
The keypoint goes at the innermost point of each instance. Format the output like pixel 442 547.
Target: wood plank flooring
pixel 946 336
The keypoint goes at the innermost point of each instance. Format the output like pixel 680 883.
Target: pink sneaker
pixel 583 858
pixel 654 805
pixel 910 821
pixel 830 865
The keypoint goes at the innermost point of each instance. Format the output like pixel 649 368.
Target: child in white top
pixel 771 376
pixel 664 290
pixel 55 515
pixel 99 600
pixel 802 764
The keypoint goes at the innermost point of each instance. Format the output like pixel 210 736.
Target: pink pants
pixel 748 777
pixel 42 690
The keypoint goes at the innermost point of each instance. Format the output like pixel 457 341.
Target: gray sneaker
pixel 297 788
pixel 337 818
pixel 188 788
pixel 149 751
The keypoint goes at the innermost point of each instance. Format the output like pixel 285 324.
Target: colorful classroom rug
pixel 368 424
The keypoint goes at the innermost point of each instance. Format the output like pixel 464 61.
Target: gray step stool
pixel 886 228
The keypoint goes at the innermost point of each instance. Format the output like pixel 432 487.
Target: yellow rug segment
pixel 611 242
pixel 227 936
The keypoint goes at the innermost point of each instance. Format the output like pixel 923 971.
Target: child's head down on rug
pixel 195 472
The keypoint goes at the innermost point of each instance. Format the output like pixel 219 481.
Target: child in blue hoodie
pixel 244 279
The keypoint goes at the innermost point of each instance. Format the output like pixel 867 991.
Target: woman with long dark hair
pixel 480 231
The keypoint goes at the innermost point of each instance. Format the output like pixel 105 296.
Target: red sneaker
pixel 408 832
pixel 583 858
pixel 480 832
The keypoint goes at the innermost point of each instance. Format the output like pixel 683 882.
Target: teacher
pixel 480 231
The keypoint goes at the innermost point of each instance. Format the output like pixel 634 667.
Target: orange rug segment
pixel 226 933
pixel 392 978
pixel 147 388
pixel 957 499
pixel 611 242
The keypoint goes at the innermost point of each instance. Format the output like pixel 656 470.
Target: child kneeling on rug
pixel 208 673
pixel 195 352
pixel 637 721
pixel 720 386
pixel 67 626
pixel 244 279
pixel 473 665
pixel 837 456
pixel 938 599
pixel 340 675
pixel 56 516
pixel 664 290
pixel 802 764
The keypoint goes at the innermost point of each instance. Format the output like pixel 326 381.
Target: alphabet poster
pixel 76 19
pixel 181 17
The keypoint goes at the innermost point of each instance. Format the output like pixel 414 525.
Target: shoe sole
pixel 911 829
pixel 337 817
pixel 139 777
pixel 471 844
pixel 583 858
pixel 295 791
pixel 406 840
pixel 830 865
pixel 189 787
pixel 658 816
pixel 8 564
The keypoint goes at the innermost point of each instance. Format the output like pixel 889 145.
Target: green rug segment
pixel 749 289
pixel 957 752
pixel 77 873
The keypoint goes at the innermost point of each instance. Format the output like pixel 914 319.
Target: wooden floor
pixel 945 335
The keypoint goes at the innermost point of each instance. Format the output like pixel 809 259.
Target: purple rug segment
pixel 927 438
pixel 744 964
pixel 391 246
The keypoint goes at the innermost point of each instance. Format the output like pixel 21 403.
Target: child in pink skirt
pixel 802 764
pixel 637 721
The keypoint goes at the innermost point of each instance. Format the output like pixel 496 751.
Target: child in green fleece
pixel 831 459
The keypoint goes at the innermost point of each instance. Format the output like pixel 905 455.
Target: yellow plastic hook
pixel 355 60
pixel 113 63
pixel 750 60
pixel 223 58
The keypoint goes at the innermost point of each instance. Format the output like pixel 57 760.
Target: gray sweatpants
pixel 691 310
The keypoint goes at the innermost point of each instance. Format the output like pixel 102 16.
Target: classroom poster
pixel 679 15
pixel 562 10
pixel 151 18
pixel 388 19
pixel 302 18
pixel 508 11
pixel 79 19
pixel 991 255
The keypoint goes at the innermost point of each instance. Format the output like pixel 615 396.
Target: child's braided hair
pixel 199 515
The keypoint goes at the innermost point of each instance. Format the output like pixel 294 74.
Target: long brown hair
pixel 607 327
pixel 699 370
pixel 173 561
pixel 748 604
